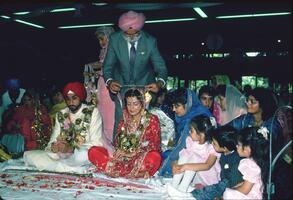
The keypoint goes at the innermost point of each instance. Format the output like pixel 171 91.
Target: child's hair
pixel 259 146
pixel 225 136
pixel 202 124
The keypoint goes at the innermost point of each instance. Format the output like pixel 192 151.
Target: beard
pixel 74 108
pixel 132 39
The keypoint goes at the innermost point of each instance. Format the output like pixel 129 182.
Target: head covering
pixel 135 91
pixel 129 122
pixel 132 20
pixel 76 88
pixel 105 30
pixel 12 83
pixel 193 108
pixel 220 80
pixel 235 104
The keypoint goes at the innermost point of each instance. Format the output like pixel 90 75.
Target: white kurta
pixel 78 162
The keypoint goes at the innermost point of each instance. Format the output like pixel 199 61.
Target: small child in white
pixel 198 161
pixel 253 146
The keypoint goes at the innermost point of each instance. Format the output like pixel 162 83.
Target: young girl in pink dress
pixel 253 146
pixel 199 160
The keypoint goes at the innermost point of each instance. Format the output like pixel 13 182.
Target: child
pixel 198 160
pixel 253 145
pixel 224 142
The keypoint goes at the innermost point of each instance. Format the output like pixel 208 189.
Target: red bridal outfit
pixel 137 148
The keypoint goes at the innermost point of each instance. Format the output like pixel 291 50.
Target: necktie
pixel 131 61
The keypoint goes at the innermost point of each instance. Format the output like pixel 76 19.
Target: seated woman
pixel 167 125
pixel 186 105
pixel 58 103
pixel 261 106
pixel 232 103
pixel 137 143
pixel 32 120
pixel 206 96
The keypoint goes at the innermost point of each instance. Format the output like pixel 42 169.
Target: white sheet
pixel 20 182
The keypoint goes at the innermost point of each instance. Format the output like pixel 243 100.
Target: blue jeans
pixel 211 191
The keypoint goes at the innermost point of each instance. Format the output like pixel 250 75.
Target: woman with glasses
pixel 261 106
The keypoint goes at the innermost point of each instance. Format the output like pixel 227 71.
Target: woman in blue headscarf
pixel 186 105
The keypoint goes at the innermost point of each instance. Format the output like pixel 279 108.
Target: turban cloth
pixel 77 88
pixel 13 83
pixel 132 20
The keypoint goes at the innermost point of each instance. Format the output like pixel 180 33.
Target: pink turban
pixel 132 20
pixel 77 88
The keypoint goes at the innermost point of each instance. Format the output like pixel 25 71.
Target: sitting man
pixel 77 128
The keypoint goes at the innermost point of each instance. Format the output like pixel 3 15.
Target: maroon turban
pixel 77 88
pixel 132 20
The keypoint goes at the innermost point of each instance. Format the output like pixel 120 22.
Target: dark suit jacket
pixel 148 65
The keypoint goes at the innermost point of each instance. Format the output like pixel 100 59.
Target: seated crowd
pixel 214 143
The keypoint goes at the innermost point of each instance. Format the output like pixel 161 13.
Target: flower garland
pixel 129 142
pixel 74 133
pixel 39 127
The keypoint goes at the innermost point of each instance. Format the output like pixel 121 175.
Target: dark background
pixel 52 55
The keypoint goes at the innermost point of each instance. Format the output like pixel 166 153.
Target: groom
pixel 133 58
pixel 77 128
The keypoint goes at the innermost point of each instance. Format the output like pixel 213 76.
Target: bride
pixel 137 142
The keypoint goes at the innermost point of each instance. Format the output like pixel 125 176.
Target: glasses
pixel 251 101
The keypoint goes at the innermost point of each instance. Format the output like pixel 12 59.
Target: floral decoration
pixel 129 142
pixel 264 131
pixel 74 133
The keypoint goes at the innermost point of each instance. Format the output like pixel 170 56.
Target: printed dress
pixel 133 167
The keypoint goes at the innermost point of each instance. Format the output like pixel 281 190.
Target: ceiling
pixel 72 48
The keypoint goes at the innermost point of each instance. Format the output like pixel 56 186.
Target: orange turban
pixel 132 20
pixel 77 88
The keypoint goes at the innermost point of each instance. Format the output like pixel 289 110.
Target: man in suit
pixel 133 59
